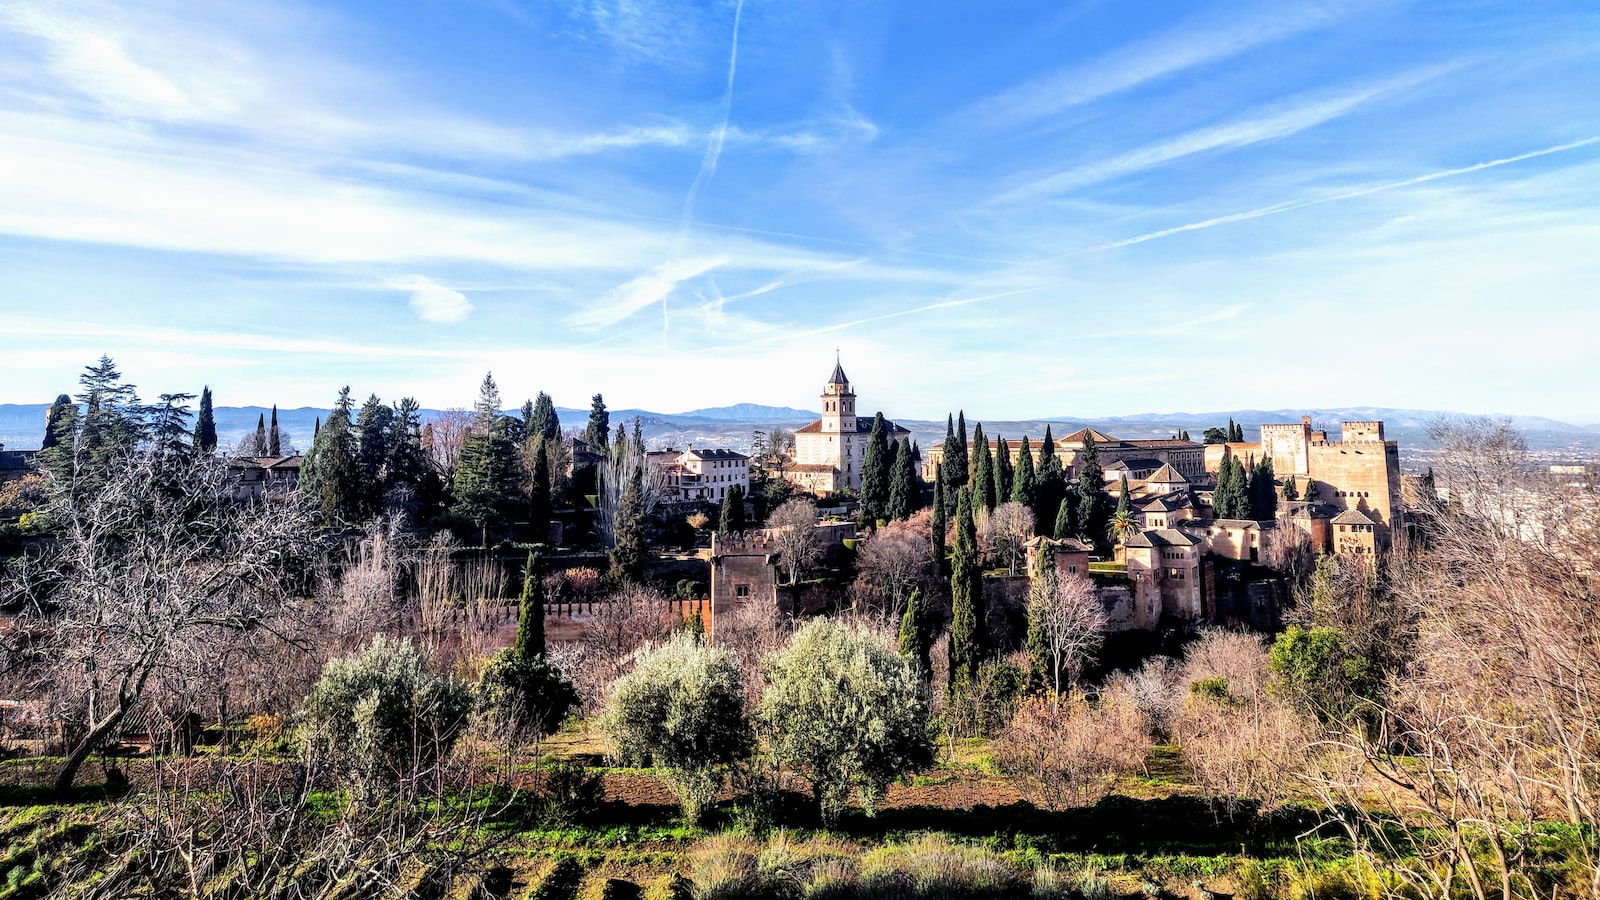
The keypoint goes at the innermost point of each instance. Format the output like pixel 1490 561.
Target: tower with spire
pixel 838 402
pixel 828 453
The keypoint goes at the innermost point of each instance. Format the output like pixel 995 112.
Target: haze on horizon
pixel 1036 209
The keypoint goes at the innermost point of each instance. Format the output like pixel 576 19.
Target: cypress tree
pixel 982 476
pixel 539 492
pixel 731 519
pixel 258 446
pixel 1091 494
pixel 598 432
pixel 1263 491
pixel 627 555
pixel 905 494
pixel 205 424
pixel 954 465
pixel 1002 472
pixel 1068 514
pixel 1025 484
pixel 969 636
pixel 1289 492
pixel 1040 586
pixel 875 466
pixel 916 643
pixel 274 437
pixel 1050 484
pixel 530 612
pixel 938 523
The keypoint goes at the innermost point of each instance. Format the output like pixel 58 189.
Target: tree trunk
pixel 75 760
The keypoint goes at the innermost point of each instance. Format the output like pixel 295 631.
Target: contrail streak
pixel 719 134
pixel 1346 195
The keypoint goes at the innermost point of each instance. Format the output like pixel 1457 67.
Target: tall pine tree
pixel 598 433
pixel 545 422
pixel 274 436
pixel 485 485
pixel 939 524
pixel 60 424
pixel 627 554
pixel 969 633
pixel 258 444
pixel 205 424
pixel 373 425
pixel 330 474
pixel 1263 491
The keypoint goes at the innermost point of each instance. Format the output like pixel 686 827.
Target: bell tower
pixel 838 403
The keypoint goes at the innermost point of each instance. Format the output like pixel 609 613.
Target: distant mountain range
pixel 22 425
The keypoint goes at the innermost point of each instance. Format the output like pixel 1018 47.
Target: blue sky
pixel 1064 208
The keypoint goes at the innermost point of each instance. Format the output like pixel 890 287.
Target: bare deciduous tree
pixel 1067 752
pixel 159 556
pixel 1009 527
pixel 1070 620
pixel 895 561
pixel 793 530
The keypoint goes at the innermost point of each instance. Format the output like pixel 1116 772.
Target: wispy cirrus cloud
pixel 1188 46
pixel 637 293
pixel 1273 122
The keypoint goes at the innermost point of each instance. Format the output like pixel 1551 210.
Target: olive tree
pixel 682 709
pixel 845 711
pixel 385 712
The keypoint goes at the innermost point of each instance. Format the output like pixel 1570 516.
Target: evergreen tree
pixel 60 424
pixel 1067 517
pixel 938 524
pixel 1183 435
pixel 956 462
pixel 916 641
pixel 539 500
pixel 627 555
pixel 330 474
pixel 1002 472
pixel 258 444
pixel 1215 435
pixel 205 424
pixel 982 475
pixel 969 634
pixel 530 612
pixel 372 429
pixel 113 420
pixel 1050 485
pixel 1091 494
pixel 1231 497
pixel 1289 492
pixel 1041 585
pixel 905 491
pixel 598 433
pixel 408 467
pixel 170 431
pixel 274 436
pixel 1310 493
pixel 545 422
pixel 731 519
pixel 1124 521
pixel 485 484
pixel 1025 485
pixel 875 466
pixel 1263 491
